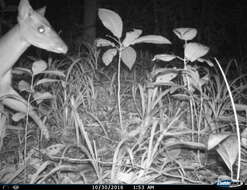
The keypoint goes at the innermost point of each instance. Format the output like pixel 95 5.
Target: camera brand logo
pixel 229 183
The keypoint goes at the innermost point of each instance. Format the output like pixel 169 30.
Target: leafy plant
pixel 38 67
pixel 193 52
pixel 236 120
pixel 113 22
pixel 192 81
pixel 227 147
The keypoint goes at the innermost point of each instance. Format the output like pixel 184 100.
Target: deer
pixel 34 29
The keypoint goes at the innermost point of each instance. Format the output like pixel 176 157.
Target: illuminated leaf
pixel 129 57
pixel 193 51
pixel 153 39
pixel 131 36
pixel 46 80
pixel 108 56
pixel 112 21
pixel 18 116
pixel 164 57
pixel 104 43
pixel 24 86
pixel 228 150
pixel 216 139
pixel 185 33
pixel 39 66
pixel 164 78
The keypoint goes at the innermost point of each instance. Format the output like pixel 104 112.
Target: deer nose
pixel 62 49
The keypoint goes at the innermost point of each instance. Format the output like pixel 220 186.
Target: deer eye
pixel 41 29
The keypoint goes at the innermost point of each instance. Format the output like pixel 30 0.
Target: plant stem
pixel 118 92
pixel 187 83
pixel 199 124
pixel 26 126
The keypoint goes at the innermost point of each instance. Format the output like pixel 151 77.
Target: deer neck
pixel 12 46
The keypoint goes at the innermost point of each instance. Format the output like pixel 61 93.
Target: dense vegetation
pixel 120 112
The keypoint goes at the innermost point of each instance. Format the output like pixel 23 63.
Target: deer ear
pixel 41 11
pixel 24 10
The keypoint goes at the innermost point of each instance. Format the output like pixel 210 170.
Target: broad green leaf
pixel 193 51
pixel 112 21
pixel 228 150
pixel 108 56
pixel 39 66
pixel 18 116
pixel 216 139
pixel 131 36
pixel 104 43
pixel 164 57
pixel 185 33
pixel 46 80
pixel 152 39
pixel 164 78
pixel 129 57
pixel 24 86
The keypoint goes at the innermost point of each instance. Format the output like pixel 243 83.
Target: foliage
pixel 176 117
pixel 191 79
pixel 113 22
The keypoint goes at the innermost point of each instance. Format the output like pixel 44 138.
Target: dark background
pixel 221 24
